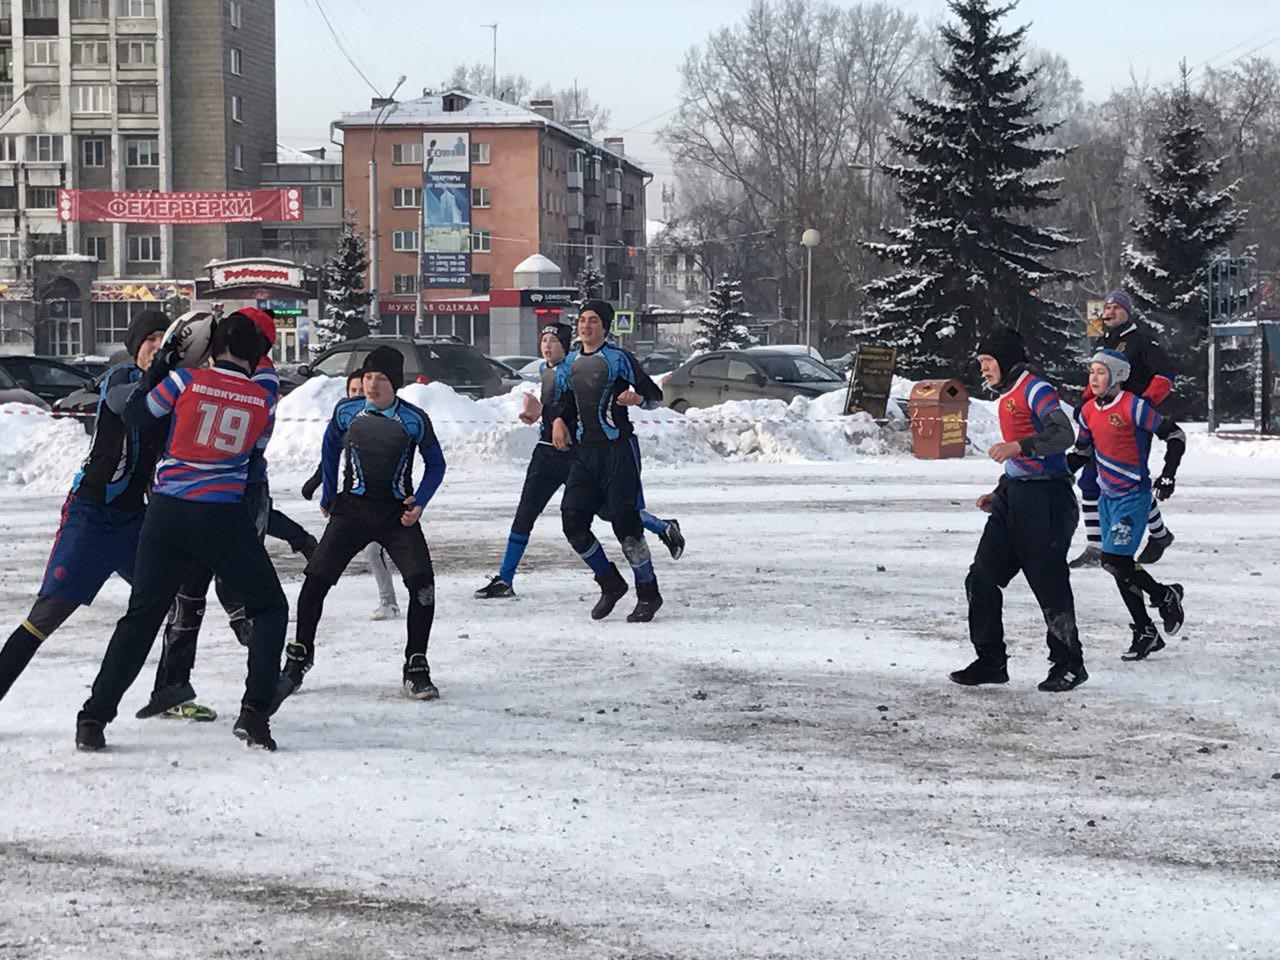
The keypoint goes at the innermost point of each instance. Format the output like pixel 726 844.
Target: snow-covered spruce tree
pixel 970 258
pixel 346 301
pixel 724 325
pixel 1188 221
pixel 590 281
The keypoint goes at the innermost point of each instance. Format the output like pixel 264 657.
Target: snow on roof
pixel 478 110
pixel 286 154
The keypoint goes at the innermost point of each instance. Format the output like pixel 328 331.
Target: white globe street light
pixel 809 239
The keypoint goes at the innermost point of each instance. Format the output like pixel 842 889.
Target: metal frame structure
pixel 1245 303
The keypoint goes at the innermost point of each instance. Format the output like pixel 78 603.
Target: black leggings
pixel 1133 581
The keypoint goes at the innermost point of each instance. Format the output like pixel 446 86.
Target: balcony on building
pixel 575 169
pixel 39 17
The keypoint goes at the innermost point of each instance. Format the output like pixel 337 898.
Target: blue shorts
pixel 93 542
pixel 1123 521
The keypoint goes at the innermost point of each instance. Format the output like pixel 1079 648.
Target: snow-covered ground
pixel 776 767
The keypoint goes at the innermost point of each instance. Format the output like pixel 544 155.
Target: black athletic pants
pixel 547 473
pixel 178 537
pixel 1029 530
pixel 604 479
pixel 354 523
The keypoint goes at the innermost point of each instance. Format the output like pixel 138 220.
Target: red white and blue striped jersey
pixel 220 417
pixel 1023 409
pixel 267 378
pixel 1120 432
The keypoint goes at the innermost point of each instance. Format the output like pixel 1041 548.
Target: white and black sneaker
pixel 417 679
pixel 253 727
pixel 495 589
pixel 673 538
pixel 1170 607
pixel 1146 641
pixel 296 665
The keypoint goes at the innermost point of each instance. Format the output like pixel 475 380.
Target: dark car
pixel 50 380
pixel 426 360
pixel 758 374
pixel 13 392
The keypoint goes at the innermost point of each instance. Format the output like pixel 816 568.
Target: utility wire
pixel 342 48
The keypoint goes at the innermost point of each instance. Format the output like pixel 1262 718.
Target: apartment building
pixel 168 95
pixel 535 186
pixel 317 174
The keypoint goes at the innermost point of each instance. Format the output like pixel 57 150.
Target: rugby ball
pixel 189 338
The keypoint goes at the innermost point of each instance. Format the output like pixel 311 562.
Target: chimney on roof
pixel 317 152
pixel 377 103
pixel 616 144
pixel 580 126
pixel 543 108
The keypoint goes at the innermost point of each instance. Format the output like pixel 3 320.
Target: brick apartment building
pixel 537 186
pixel 166 95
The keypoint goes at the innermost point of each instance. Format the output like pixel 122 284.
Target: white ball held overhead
pixel 193 332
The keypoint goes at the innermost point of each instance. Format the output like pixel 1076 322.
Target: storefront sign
pixel 16 290
pixel 116 291
pixel 871 380
pixel 446 209
pixel 146 206
pixel 401 307
pixel 242 273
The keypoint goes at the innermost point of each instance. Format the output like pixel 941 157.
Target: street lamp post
pixel 809 239
pixel 375 304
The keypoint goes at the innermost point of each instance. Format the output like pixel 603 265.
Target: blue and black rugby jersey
pixel 589 384
pixel 376 449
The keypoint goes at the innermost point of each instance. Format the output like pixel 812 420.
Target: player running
pixel 549 468
pixel 198 518
pixel 1115 434
pixel 1151 377
pixel 102 515
pixel 1033 514
pixel 374 437
pixel 596 385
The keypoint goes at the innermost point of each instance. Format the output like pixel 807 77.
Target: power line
pixel 1237 46
pixel 346 53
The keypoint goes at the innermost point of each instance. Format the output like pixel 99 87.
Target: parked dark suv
pixel 755 374
pixel 47 378
pixel 426 360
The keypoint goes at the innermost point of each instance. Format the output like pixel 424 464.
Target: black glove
pixel 1163 487
pixel 1077 461
pixel 309 488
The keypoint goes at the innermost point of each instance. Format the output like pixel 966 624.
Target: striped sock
pixel 594 557
pixel 1092 526
pixel 1155 521
pixel 516 542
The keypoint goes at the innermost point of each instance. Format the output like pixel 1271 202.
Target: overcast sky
pixel 629 54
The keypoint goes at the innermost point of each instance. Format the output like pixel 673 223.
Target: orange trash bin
pixel 939 412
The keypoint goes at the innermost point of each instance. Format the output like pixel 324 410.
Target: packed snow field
pixel 776 767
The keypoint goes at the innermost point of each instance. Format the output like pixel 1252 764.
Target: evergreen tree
pixel 1188 222
pixel 970 257
pixel 346 300
pixel 590 281
pixel 723 325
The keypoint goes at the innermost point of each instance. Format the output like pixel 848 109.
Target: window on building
pixel 144 248
pixel 406 198
pixel 235 61
pixel 89 9
pixel 6 60
pixel 42 52
pixel 137 98
pixel 137 8
pixel 44 147
pixel 404 283
pixel 480 197
pixel 95 247
pixel 404 241
pixel 480 283
pixel 47 245
pixel 235 247
pixel 142 152
pixel 91 98
pixel 90 53
pixel 481 241
pixel 406 153
pixel 479 153
pixel 235 108
pixel 42 198
pixel 136 53
pixel 8 149
pixel 237 157
pixel 8 246
pixel 44 99
pixel 575 161
pixel 15 325
pixel 325 197
pixel 548 158
pixel 233 14
pixel 40 9
pixel 93 152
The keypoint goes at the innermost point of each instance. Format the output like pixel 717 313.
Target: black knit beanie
pixel 602 308
pixel 143 325
pixel 1006 346
pixel 563 333
pixel 389 362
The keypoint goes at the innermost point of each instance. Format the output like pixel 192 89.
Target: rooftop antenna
pixel 493 84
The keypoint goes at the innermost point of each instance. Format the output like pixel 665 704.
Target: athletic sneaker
pixel 1170 607
pixel 417 679
pixel 1155 548
pixel 673 538
pixel 612 589
pixel 980 672
pixel 89 734
pixel 254 729
pixel 296 665
pixel 1092 557
pixel 385 611
pixel 165 698
pixel 495 589
pixel 191 710
pixel 1146 641
pixel 1062 678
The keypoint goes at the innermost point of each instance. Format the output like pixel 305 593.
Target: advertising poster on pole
pixel 446 209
